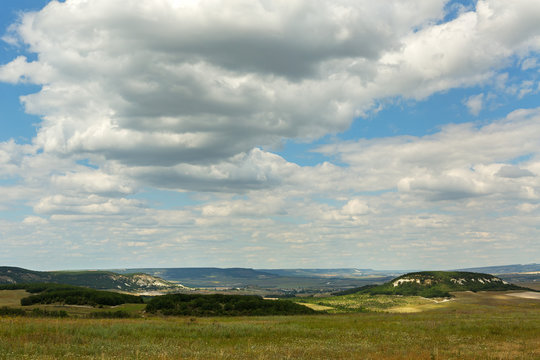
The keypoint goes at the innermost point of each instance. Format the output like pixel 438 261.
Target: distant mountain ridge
pixel 330 273
pixel 279 279
pixel 138 282
pixel 437 284
pixel 506 269
pixel 331 279
pixel 209 275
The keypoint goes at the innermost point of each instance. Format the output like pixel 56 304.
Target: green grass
pixel 12 297
pixel 430 335
pixel 473 326
pixel 364 302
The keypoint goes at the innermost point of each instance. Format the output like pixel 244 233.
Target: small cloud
pixel 529 63
pixel 525 88
pixel 35 220
pixel 355 207
pixel 513 172
pixel 475 104
pixel 501 80
pixel 527 208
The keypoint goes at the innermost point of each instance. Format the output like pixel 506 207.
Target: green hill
pixel 436 284
pixel 104 280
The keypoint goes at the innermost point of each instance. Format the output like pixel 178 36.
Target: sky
pixel 269 133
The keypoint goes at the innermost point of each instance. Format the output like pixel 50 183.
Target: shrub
pixel 73 295
pixel 119 314
pixel 6 311
pixel 218 305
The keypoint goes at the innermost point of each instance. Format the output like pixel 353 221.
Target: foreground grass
pixel 508 334
pixel 472 326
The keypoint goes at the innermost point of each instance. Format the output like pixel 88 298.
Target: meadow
pixel 473 326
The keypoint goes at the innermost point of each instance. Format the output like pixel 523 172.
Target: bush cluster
pixel 6 311
pixel 222 305
pixel 119 314
pixel 48 313
pixel 80 297
pixel 71 295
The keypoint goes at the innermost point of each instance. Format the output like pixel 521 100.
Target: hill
pixel 343 273
pixel 93 279
pixel 437 284
pixel 204 276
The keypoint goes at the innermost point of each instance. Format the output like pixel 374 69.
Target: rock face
pixel 439 277
pixel 92 279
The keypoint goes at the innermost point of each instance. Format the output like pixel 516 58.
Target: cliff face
pixel 449 278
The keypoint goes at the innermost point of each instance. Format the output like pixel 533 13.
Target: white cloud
pixel 35 220
pixel 475 103
pixel 529 63
pixel 192 97
pixel 355 207
pixel 460 161
pixel 94 182
pixel 200 83
pixel 93 204
pixel 22 71
pixel 151 83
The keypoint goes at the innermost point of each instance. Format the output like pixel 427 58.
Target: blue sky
pixel 16 124
pixel 269 134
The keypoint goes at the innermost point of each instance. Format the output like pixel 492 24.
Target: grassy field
pixel 12 297
pixel 410 304
pixel 364 302
pixel 473 326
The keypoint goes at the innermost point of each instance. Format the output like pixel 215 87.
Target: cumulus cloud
pixel 243 172
pixel 460 161
pixel 511 171
pixel 149 83
pixel 93 204
pixel 94 182
pixel 194 95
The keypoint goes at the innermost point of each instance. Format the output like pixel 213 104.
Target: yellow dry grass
pixel 12 298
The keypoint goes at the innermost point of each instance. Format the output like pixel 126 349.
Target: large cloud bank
pixel 194 95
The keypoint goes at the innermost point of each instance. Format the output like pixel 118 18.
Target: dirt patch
pixel 316 307
pixel 405 309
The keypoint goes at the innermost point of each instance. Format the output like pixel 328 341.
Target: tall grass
pixel 447 334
